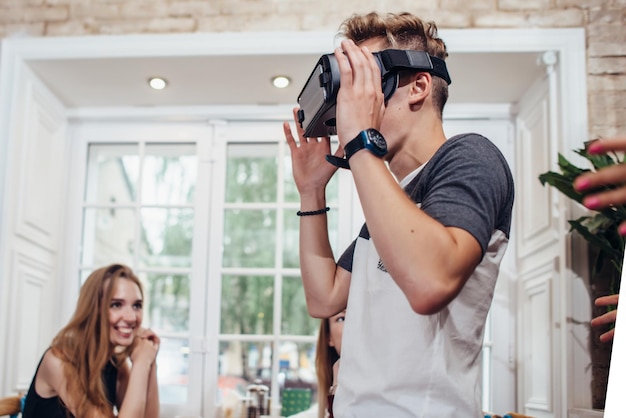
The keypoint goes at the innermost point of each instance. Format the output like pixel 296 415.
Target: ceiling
pixel 245 79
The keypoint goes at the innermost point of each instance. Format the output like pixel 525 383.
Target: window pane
pixel 173 370
pixel 251 174
pixel 249 238
pixel 241 364
pixel 247 305
pixel 167 302
pixel 169 174
pixel 291 236
pixel 112 174
pixel 291 192
pixel 296 319
pixel 108 236
pixel 166 237
pixel 332 191
pixel 297 371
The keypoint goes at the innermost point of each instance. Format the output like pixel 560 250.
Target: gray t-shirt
pixel 395 362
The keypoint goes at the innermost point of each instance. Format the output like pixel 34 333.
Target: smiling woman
pixel 104 334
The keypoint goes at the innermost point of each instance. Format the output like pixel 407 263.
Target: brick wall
pixel 603 20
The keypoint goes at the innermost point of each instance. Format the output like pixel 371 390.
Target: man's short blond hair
pixel 400 31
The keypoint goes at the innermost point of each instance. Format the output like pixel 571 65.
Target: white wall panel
pixel 41 171
pixel 536 339
pixel 31 316
pixel 536 229
pixel 32 241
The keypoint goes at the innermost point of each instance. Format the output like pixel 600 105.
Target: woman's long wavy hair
pixel 401 31
pixel 84 344
pixel 325 357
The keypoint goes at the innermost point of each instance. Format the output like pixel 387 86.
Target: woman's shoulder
pixel 50 374
pixel 52 361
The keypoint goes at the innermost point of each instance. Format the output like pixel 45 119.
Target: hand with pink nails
pixel 614 175
pixel 607 318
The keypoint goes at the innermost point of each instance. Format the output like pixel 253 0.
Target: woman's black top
pixel 38 407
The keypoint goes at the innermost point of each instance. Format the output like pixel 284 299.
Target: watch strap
pixel 357 144
pixel 338 161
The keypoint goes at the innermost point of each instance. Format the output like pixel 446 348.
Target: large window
pixel 266 334
pixel 208 222
pixel 139 210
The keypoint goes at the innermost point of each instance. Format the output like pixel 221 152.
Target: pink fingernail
pixel 595 148
pixel 592 202
pixel 581 183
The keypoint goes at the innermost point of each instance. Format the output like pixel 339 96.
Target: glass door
pixel 143 204
pixel 264 333
pixel 205 214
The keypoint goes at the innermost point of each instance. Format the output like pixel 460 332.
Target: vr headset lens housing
pixel 318 98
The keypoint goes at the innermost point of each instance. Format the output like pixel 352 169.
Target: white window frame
pixel 82 135
pixel 211 139
pixel 259 132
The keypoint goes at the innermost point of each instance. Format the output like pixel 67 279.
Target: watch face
pixel 369 139
pixel 378 141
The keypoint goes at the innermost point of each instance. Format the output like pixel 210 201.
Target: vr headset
pixel 318 98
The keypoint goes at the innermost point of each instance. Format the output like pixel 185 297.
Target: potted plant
pixel 606 249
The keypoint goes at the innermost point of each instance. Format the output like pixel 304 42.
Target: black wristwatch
pixel 369 139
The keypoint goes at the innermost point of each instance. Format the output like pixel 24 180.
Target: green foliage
pixel 600 230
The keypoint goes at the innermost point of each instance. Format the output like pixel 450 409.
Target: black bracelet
pixel 313 212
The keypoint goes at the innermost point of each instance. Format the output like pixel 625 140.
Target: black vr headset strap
pixel 398 59
pixel 440 69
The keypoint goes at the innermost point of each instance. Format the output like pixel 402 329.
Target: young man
pixel 419 279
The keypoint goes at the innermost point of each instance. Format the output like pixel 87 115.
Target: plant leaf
pixel 568 169
pixel 561 183
pixel 600 230
pixel 598 161
pixel 599 240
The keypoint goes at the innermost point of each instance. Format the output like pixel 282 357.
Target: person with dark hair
pixel 327 353
pixel 419 279
pixel 327 361
pixel 102 364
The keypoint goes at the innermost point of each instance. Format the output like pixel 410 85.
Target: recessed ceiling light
pixel 157 83
pixel 281 81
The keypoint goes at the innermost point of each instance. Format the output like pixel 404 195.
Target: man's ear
pixel 421 86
